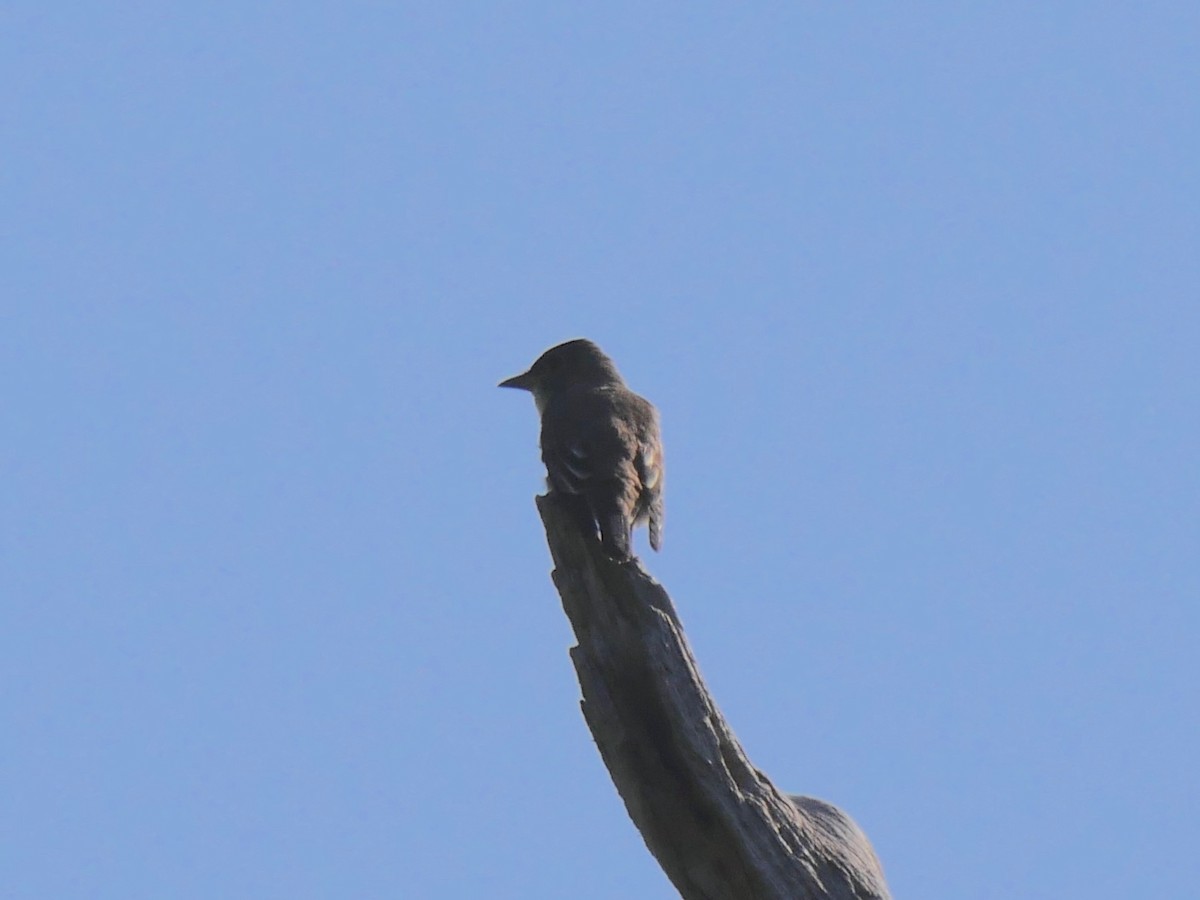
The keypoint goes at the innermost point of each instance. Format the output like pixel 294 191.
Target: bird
pixel 600 442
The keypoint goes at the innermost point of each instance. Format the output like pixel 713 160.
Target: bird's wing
pixel 648 463
pixel 568 465
pixel 584 443
pixel 566 450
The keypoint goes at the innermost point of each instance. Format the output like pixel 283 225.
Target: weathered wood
pixel 718 827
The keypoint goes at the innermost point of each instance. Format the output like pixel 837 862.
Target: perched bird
pixel 600 443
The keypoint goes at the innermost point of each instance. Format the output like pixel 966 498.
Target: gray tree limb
pixel 718 827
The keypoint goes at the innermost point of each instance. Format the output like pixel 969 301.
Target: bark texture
pixel 717 825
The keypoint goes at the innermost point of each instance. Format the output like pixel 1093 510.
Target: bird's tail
pixel 615 530
pixel 579 509
pixel 656 525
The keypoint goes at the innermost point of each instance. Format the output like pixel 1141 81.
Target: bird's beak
pixel 523 381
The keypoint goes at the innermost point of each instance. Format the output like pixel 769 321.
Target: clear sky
pixel 916 288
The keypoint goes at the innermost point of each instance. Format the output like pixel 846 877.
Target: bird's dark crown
pixel 575 362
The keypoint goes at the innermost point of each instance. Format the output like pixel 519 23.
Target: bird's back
pixel 602 442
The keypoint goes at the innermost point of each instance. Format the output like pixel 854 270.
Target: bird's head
pixel 573 364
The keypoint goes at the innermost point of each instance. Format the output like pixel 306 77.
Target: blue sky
pixel 914 287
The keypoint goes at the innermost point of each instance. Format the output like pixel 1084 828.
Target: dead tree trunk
pixel 718 827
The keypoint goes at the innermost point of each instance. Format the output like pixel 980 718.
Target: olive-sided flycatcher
pixel 600 443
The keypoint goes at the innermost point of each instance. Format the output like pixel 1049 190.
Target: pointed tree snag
pixel 717 825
